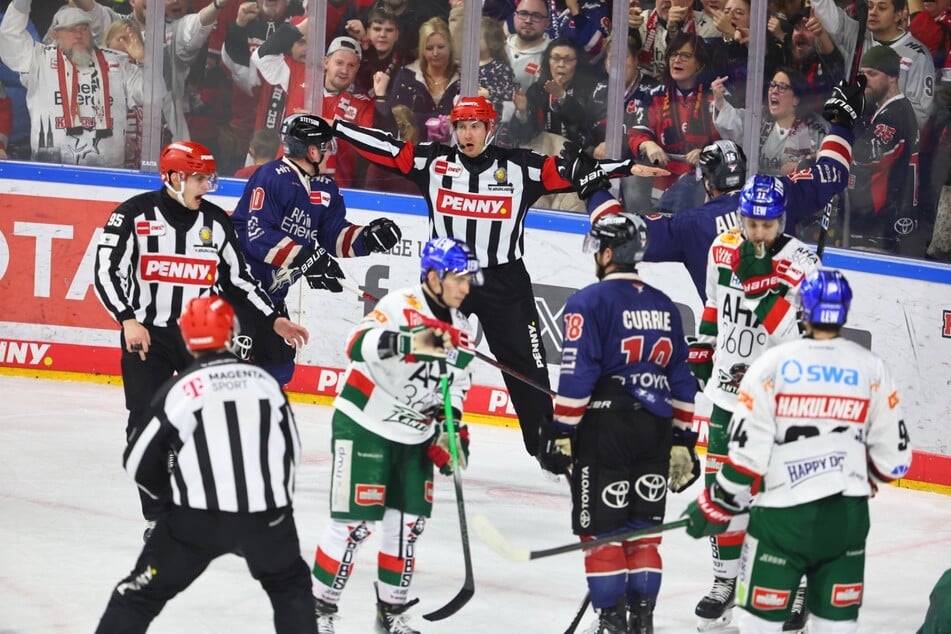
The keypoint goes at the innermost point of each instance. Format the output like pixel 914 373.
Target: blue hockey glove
pixel 381 235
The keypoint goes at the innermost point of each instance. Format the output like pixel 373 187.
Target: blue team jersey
pixel 625 328
pixel 284 211
pixel 686 235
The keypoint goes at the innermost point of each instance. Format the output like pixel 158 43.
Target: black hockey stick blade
pixel 497 542
pixel 461 598
pixel 579 615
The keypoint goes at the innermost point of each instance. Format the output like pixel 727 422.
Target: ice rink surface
pixel 70 529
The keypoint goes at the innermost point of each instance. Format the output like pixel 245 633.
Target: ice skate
pixel 610 621
pixel 641 617
pixel 326 615
pixel 796 623
pixel 390 618
pixel 716 609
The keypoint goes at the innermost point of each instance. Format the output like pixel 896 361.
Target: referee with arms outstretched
pixel 236 450
pixel 480 193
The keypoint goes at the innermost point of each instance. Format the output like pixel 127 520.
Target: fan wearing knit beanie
pixel 884 213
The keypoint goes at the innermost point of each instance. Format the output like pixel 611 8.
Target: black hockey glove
pixel 684 464
pixel 846 103
pixel 584 172
pixel 320 270
pixel 555 447
pixel 381 235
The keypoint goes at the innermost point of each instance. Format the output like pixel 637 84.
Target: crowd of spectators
pixel 233 70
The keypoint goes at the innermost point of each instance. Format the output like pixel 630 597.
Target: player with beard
pixel 69 122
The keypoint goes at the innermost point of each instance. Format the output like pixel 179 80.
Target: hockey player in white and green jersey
pixel 817 423
pixel 389 430
pixel 753 275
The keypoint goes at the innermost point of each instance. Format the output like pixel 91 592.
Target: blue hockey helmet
pixel 301 130
pixel 448 255
pixel 826 296
pixel 625 233
pixel 763 198
pixel 723 163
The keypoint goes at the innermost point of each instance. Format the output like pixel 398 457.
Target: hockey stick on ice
pixel 481 356
pixel 468 586
pixel 828 213
pixel 579 614
pixel 495 540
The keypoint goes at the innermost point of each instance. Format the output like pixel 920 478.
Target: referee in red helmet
pixel 157 251
pixel 480 193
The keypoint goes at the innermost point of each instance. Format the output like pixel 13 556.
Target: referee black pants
pixel 505 306
pixel 141 381
pixel 186 540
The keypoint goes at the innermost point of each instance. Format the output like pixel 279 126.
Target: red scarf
pixel 73 121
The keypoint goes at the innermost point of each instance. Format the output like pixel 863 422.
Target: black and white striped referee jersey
pixel 482 201
pixel 233 434
pixel 155 255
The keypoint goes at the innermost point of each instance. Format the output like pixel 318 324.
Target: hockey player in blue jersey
pixel 622 422
pixel 290 220
pixel 686 235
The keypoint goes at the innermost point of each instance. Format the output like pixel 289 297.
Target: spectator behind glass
pixel 729 55
pixel 255 21
pixel 568 100
pixel 384 180
pixel 380 54
pixel 636 190
pixel 281 62
pixel 75 128
pixel 186 34
pixel 788 135
pixel 18 147
pixel 809 50
pixel 884 201
pixel 676 118
pixel 587 24
pixel 497 81
pixel 410 15
pixel 264 146
pixel 429 85
pixel 528 43
pixel 123 36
